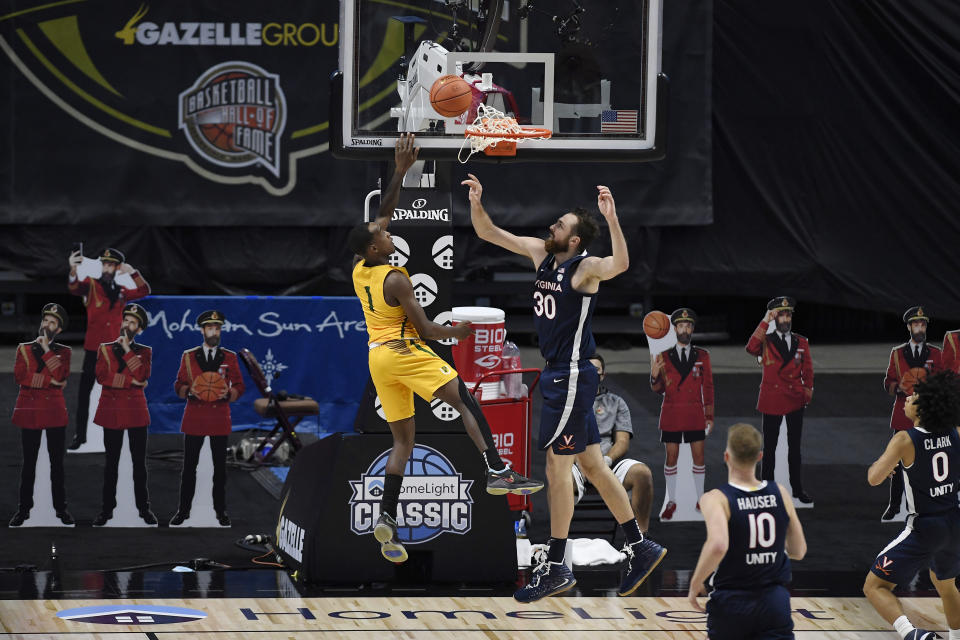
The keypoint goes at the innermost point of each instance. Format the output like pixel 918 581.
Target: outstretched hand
pixel 405 153
pixel 605 202
pixel 462 331
pixel 476 189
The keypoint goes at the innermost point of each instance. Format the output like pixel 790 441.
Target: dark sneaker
pixel 509 481
pixel 19 518
pixel 65 517
pixel 103 518
pixel 223 519
pixel 76 443
pixel 549 579
pixel 891 513
pixel 148 516
pixel 803 498
pixel 922 634
pixel 386 534
pixel 179 518
pixel 642 559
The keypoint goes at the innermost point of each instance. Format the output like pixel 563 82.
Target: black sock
pixel 632 530
pixel 391 494
pixel 490 455
pixel 494 462
pixel 558 546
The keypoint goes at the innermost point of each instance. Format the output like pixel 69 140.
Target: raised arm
pixel 398 286
pixel 143 287
pixel 404 155
pixel 883 466
pixel 76 286
pixel 759 336
pixel 521 245
pixel 619 260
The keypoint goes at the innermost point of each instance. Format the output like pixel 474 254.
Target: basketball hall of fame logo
pixel 434 497
pixel 234 116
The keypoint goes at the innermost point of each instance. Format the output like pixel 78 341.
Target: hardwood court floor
pixel 460 618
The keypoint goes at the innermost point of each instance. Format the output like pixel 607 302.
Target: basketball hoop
pixel 497 134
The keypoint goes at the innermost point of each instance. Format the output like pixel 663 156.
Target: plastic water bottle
pixel 524 550
pixel 511 360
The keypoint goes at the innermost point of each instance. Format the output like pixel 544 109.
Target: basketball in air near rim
pixel 450 96
pixel 656 324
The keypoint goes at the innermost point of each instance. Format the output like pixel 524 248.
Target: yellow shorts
pixel 400 368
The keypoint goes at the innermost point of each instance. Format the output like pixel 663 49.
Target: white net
pixel 492 121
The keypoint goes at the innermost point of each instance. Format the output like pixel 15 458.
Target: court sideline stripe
pixel 153 635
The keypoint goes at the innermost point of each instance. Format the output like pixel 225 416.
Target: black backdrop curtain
pixel 835 152
pixel 834 174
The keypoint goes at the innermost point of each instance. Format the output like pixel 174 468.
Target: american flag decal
pixel 618 121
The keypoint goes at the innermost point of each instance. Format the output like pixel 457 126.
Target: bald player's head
pixel 744 444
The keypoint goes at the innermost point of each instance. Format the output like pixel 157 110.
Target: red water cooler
pixel 479 362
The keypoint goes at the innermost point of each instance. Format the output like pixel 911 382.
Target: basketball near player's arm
pixel 795 543
pixel 899 447
pixel 716 515
pixel 404 155
pixel 486 230
pixel 397 287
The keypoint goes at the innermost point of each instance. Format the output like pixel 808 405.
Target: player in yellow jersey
pixel 401 362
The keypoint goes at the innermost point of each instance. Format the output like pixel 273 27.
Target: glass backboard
pixel 588 71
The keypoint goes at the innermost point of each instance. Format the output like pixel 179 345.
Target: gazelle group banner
pixel 216 113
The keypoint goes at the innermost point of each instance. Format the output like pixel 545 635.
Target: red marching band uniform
pixel 208 418
pixel 41 409
pixel 40 402
pixel 687 396
pixel 951 351
pixel 901 361
pixel 123 409
pixel 202 419
pixel 122 402
pixel 786 388
pixel 104 319
pixel 787 382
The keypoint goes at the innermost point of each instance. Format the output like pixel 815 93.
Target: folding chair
pixel 288 413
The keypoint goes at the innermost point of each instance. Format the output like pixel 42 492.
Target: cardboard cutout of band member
pixel 123 369
pixel 684 377
pixel 785 389
pixel 41 369
pixel 104 299
pixel 207 413
pixel 910 362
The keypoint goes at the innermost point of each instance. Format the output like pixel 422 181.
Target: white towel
pixel 593 551
pixel 582 551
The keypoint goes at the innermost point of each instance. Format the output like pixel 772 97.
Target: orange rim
pixel 526 132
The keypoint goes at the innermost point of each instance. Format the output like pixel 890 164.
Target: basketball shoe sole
pixel 391 549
